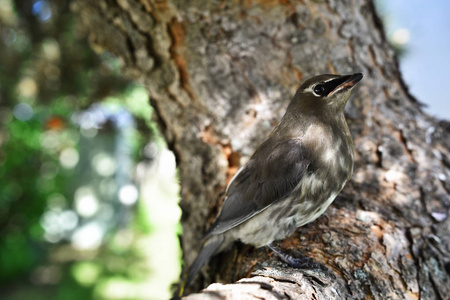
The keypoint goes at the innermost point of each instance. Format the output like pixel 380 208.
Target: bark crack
pixel 435 287
pixel 177 35
pixel 131 50
pixel 411 237
pixel 404 141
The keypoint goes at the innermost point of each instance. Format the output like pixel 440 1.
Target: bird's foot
pixel 299 262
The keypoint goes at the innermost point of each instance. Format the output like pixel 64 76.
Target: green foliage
pixel 141 220
pixel 30 174
pixel 47 72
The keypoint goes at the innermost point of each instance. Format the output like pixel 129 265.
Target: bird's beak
pixel 345 82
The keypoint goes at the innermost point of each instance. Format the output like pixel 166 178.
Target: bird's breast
pixel 330 150
pixel 331 166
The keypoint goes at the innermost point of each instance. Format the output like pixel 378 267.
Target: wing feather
pixel 271 174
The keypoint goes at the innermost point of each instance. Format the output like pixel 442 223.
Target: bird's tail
pixel 209 249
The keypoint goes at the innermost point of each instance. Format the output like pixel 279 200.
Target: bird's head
pixel 326 92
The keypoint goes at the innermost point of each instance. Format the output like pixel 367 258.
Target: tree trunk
pixel 220 75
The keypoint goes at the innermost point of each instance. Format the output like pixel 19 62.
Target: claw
pixel 302 262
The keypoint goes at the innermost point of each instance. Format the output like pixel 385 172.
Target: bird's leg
pixel 300 262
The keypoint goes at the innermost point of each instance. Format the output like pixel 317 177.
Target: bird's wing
pixel 271 174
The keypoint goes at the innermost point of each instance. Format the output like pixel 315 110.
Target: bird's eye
pixel 319 89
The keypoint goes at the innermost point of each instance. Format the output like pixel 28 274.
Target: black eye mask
pixel 323 89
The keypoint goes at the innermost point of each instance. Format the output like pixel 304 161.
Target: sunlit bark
pixel 220 75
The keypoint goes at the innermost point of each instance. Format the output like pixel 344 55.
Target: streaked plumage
pixel 293 176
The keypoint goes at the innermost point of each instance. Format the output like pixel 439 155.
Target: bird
pixel 292 177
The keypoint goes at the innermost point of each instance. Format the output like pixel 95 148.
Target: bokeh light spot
pixel 69 158
pixel 52 237
pixel 89 132
pixel 27 87
pixel 49 140
pixel 49 221
pixel 56 201
pixel 86 203
pixel 88 237
pixel 42 10
pixel 68 220
pixel 401 36
pixel 23 112
pixel 86 273
pixel 128 194
pixel 51 50
pixel 104 164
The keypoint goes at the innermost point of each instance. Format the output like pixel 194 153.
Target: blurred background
pixel 418 31
pixel 88 189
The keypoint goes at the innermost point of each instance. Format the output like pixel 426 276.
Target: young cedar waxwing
pixel 292 177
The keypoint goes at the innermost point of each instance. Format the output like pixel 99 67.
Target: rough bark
pixel 220 75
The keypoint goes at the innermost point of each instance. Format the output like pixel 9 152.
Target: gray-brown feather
pixel 271 175
pixel 295 174
pixel 287 183
pixel 328 170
